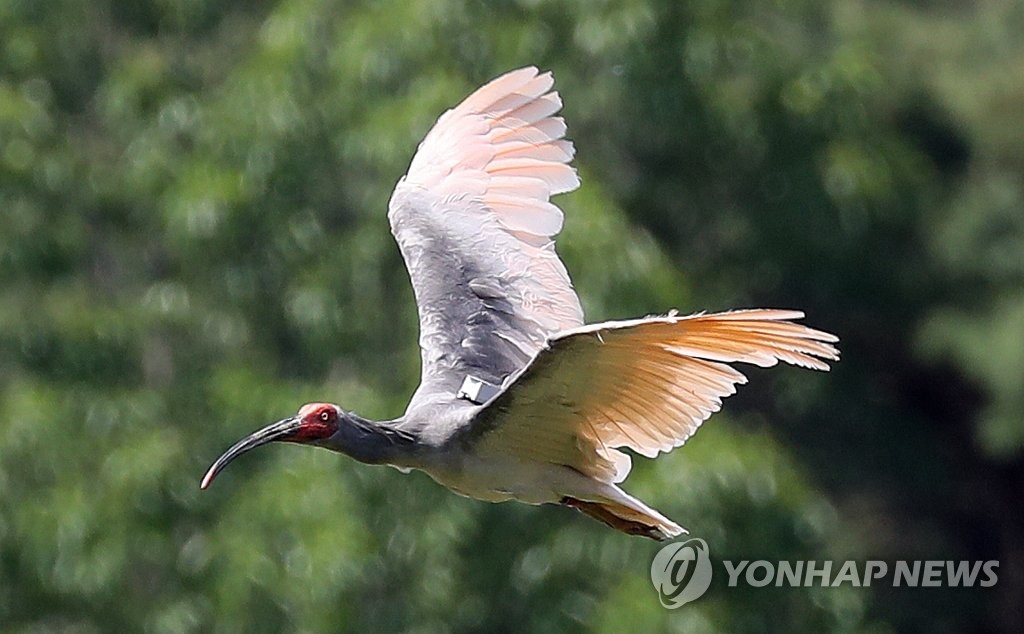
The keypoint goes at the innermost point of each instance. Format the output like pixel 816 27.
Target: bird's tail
pixel 629 515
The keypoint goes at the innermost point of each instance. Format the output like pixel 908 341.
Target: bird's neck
pixel 370 441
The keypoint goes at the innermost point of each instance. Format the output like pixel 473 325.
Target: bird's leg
pixel 604 513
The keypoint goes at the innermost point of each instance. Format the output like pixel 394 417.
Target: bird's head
pixel 313 423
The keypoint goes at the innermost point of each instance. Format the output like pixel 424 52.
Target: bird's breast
pixel 498 480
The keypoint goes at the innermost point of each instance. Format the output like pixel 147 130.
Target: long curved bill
pixel 280 430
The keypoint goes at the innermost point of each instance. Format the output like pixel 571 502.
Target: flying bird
pixel 519 399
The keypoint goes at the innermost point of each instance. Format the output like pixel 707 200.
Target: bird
pixel 519 398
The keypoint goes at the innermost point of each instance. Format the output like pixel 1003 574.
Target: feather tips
pixel 476 203
pixel 484 175
pixel 646 384
pixel 504 133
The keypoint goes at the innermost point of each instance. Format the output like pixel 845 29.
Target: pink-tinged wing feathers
pixel 645 384
pixel 474 223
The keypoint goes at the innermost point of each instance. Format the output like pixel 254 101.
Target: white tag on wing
pixel 477 390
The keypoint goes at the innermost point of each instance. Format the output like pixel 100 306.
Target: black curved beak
pixel 281 430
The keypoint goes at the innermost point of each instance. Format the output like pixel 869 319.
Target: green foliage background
pixel 193 243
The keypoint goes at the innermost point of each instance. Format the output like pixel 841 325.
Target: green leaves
pixel 193 243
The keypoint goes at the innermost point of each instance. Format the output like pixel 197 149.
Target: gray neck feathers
pixel 371 442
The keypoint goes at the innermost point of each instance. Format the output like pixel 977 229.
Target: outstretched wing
pixel 645 384
pixel 475 228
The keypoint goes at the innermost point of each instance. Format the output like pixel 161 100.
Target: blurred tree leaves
pixel 192 243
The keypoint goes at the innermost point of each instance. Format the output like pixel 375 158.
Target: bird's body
pixel 473 221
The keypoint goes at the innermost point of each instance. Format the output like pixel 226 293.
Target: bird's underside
pixel 473 220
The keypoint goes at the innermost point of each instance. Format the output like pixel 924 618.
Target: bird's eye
pixel 325 416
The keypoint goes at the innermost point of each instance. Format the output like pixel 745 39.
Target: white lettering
pixel 903 573
pixel 769 572
pixel 734 571
pixel 955 572
pixel 990 575
pixel 932 574
pixel 874 570
pixel 847 573
pixel 823 574
pixel 790 573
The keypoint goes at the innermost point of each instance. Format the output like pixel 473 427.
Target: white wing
pixel 645 384
pixel 475 228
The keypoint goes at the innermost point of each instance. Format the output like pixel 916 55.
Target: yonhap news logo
pixel 681 572
pixel 911 574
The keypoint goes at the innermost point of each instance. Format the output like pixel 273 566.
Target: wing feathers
pixel 532 111
pixel 645 384
pixel 476 201
pixel 515 81
pixel 559 177
pixel 560 151
pixel 538 133
pixel 528 216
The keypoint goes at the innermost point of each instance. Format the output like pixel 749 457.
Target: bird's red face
pixel 316 422
pixel 313 422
